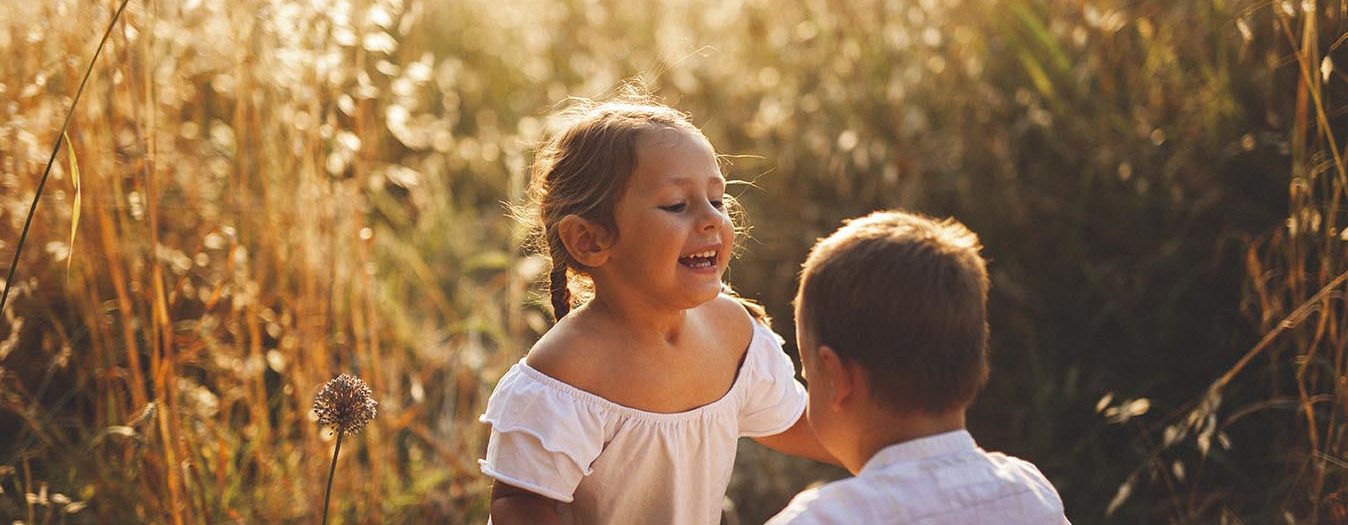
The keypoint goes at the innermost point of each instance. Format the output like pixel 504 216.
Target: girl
pixel 628 410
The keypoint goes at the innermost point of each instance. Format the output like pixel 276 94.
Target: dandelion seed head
pixel 346 404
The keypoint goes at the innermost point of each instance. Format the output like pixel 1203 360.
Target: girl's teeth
pixel 705 259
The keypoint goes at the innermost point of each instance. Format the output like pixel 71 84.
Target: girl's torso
pixel 623 458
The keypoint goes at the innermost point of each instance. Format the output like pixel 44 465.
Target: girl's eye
pixel 718 204
pixel 674 207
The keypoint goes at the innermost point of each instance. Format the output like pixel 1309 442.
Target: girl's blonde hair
pixel 583 170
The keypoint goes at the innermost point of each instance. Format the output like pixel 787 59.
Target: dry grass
pixel 238 202
pixel 273 192
pixel 1295 378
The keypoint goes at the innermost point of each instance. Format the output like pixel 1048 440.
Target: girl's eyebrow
pixel 680 180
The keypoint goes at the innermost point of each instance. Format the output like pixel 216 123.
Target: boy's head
pixel 900 299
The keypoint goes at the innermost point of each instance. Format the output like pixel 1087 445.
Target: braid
pixel 561 293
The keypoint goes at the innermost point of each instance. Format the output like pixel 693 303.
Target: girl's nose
pixel 709 218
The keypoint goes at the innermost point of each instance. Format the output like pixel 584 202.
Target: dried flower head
pixel 346 404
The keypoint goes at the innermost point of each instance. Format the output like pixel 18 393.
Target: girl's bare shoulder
pixel 566 352
pixel 728 319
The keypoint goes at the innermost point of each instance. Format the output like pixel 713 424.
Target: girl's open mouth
pixel 699 260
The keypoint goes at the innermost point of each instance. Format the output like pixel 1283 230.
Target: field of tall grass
pixel 255 196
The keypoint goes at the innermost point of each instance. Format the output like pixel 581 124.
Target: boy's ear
pixel 586 241
pixel 844 378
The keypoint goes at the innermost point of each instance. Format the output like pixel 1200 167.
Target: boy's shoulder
pixel 974 486
pixel 817 505
pixel 1021 472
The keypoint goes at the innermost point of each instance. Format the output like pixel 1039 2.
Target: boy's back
pixel 943 479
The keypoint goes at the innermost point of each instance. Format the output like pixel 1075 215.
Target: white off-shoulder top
pixel 619 465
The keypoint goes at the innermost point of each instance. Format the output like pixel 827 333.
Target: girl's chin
pixel 704 292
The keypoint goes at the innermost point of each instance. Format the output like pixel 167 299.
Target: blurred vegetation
pixel 271 193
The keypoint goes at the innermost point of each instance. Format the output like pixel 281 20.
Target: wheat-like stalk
pixel 65 125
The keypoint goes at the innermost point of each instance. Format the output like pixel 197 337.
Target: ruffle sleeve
pixel 774 399
pixel 542 439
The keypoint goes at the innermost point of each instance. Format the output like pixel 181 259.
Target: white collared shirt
pixel 941 479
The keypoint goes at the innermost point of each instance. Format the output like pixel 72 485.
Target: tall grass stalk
pixel 332 471
pixel 56 148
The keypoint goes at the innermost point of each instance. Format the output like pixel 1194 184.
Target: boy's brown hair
pixel 905 296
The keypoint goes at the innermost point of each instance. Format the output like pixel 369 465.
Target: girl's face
pixel 674 235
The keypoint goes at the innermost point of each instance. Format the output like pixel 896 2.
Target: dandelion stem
pixel 327 494
pixel 18 248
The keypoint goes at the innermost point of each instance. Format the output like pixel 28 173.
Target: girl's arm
pixel 513 505
pixel 799 440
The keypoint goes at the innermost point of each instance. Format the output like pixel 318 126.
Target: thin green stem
pixel 18 248
pixel 327 494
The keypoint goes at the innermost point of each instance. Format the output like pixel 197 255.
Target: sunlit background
pixel 259 195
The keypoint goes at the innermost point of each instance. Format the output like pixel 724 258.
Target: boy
pixel 891 324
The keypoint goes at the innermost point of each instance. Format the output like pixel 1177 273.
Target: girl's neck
pixel 640 319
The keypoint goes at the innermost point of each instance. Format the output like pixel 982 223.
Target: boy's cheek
pixel 816 404
pixel 816 414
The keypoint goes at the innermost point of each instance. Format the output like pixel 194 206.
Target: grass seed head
pixel 346 404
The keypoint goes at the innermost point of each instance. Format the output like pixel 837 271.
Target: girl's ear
pixel 586 241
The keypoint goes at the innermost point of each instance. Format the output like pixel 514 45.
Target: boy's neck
pixel 881 428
